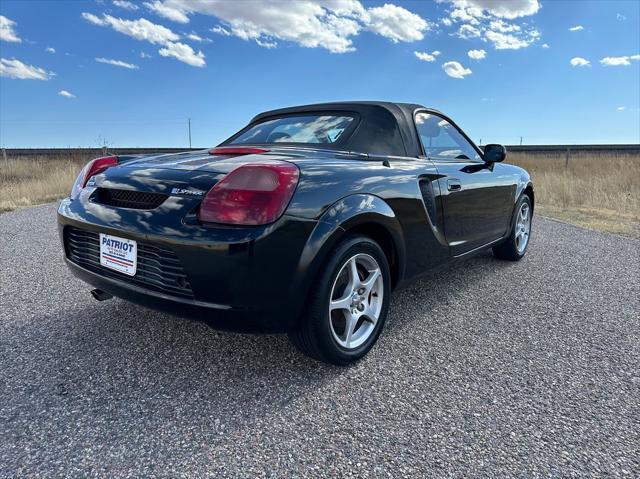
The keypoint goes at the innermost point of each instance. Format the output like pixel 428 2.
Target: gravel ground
pixel 490 369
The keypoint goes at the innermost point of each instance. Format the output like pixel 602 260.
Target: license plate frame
pixel 119 254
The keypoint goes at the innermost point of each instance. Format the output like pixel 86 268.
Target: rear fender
pixel 349 213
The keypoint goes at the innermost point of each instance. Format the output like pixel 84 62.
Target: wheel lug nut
pixel 361 307
pixel 361 290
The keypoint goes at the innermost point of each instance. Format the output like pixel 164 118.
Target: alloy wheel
pixel 356 301
pixel 523 227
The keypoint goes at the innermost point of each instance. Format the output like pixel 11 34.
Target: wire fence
pixel 568 151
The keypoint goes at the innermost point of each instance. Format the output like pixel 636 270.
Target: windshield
pixel 308 129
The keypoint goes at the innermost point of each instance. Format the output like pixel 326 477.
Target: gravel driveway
pixel 489 369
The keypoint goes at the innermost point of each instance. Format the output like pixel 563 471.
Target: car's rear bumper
pixel 238 279
pixel 219 316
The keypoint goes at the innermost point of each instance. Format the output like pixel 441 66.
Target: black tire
pixel 508 249
pixel 315 336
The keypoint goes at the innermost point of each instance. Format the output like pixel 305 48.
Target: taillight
pixel 92 168
pixel 252 194
pixel 236 150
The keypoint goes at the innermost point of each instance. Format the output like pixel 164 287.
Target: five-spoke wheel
pixel 356 301
pixel 348 303
pixel 515 245
pixel 523 227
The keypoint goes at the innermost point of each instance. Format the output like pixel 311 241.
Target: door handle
pixel 454 185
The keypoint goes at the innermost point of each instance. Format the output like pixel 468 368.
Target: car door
pixel 476 199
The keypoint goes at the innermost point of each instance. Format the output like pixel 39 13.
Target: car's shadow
pixel 117 353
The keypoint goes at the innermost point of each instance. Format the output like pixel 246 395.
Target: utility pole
pixel 189 133
pixel 520 141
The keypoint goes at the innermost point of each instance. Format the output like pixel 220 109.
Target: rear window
pixel 306 129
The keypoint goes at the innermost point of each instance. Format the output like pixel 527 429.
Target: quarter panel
pixel 369 191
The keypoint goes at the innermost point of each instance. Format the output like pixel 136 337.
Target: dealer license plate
pixel 119 254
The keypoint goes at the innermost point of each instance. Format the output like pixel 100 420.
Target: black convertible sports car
pixel 303 222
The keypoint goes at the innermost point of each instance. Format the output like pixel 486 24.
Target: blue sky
pixel 128 74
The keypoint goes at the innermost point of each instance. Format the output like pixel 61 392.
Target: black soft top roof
pixel 384 128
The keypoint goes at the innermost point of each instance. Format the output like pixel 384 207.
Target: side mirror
pixel 494 153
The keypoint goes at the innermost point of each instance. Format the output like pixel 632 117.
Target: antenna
pixel 190 133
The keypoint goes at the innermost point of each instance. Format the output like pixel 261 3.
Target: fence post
pixel 566 159
pixel 4 156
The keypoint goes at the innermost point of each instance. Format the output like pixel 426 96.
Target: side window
pixel 440 139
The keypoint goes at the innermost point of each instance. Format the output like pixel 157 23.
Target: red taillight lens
pixel 252 194
pixel 91 169
pixel 236 151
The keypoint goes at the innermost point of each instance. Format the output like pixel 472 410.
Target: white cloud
pixel 468 31
pixel 164 9
pixel 197 38
pixel 184 53
pixel 126 5
pixel 494 21
pixel 141 29
pixel 621 108
pixel 91 18
pixel 577 28
pixel 545 45
pixel 615 61
pixel 456 70
pixel 220 30
pixel 620 17
pixel 117 63
pixel 504 27
pixel 508 9
pixel 66 94
pixel 20 71
pixel 470 15
pixel 329 24
pixel 266 44
pixel 504 41
pixel 7 31
pixel 435 53
pixel 303 22
pixel 477 54
pixel 309 27
pixel 619 61
pixel 396 23
pixel 425 57
pixel 580 62
pixel 50 50
pixel 145 55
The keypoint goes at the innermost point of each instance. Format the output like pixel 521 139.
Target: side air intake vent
pixel 426 188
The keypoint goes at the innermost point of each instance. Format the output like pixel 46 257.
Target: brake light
pixel 236 151
pixel 92 168
pixel 252 194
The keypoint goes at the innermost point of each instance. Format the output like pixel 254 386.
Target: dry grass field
pixel 596 190
pixel 27 182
